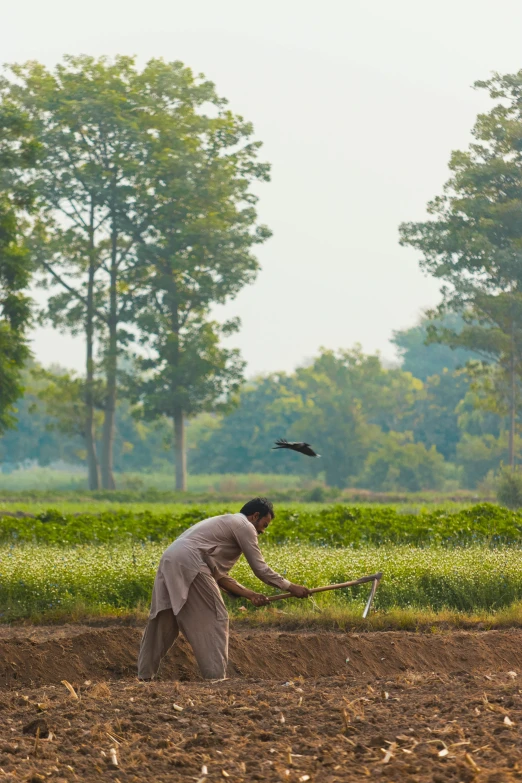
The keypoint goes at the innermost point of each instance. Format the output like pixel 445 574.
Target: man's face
pixel 261 523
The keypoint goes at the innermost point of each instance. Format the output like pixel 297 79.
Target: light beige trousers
pixel 203 621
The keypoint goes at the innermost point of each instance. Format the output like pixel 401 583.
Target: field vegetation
pixel 42 581
pixel 336 526
pixel 458 564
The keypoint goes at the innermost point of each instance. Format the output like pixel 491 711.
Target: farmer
pixel 186 597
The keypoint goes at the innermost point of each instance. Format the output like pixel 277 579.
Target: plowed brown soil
pixel 297 707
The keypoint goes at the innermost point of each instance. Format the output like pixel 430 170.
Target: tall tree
pixel 138 184
pixel 473 241
pixel 91 122
pixel 185 375
pixel 18 154
pixel 199 250
pixel 494 331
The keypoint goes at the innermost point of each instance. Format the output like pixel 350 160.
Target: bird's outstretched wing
pixel 308 450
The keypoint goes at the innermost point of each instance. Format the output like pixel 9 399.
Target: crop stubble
pixel 411 727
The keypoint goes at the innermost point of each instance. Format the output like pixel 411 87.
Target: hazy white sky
pixel 358 103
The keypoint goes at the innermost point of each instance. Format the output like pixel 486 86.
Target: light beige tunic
pixel 211 547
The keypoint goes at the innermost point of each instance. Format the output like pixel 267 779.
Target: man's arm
pixel 233 587
pixel 247 540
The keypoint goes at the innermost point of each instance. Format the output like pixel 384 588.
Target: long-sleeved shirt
pixel 212 546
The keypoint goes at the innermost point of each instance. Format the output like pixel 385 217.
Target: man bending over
pixel 186 596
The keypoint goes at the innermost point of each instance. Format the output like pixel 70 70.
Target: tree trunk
pixel 512 404
pixel 90 433
pixel 111 370
pixel 180 456
pixel 179 450
pixel 109 420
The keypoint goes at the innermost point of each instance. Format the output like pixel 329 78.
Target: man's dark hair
pixel 263 505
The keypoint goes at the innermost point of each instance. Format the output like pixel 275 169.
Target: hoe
pixel 375 578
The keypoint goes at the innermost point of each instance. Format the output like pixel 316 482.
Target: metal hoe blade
pixel 368 606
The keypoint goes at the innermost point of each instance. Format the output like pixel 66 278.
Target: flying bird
pixel 302 448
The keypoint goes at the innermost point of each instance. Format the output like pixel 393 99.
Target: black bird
pixel 302 448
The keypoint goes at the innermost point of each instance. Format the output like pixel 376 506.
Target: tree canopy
pixel 472 241
pixel 18 152
pixel 145 220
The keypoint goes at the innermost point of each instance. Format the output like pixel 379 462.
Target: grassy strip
pixel 48 485
pixel 45 580
pixel 328 618
pixel 45 480
pixel 298 617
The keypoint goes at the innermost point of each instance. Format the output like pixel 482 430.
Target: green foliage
pixel 423 359
pixel 341 403
pixel 346 404
pixel 400 463
pixel 478 455
pixel 146 220
pixel 509 488
pixel 17 154
pixel 435 417
pixel 63 395
pixel 494 330
pixel 50 422
pixel 268 408
pixel 35 434
pixel 473 240
pixel 340 392
pixel 14 311
pixel 189 370
pixel 337 525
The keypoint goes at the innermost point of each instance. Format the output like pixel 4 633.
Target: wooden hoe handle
pixel 372 578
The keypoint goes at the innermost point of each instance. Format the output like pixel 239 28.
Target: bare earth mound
pixel 297 707
pixel 47 655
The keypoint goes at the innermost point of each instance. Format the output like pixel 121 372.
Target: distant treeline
pixel 423 425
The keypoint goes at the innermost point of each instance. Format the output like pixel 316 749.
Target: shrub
pixel 509 488
pixel 400 464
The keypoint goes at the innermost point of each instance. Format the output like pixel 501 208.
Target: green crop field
pixel 61 564
pixel 46 579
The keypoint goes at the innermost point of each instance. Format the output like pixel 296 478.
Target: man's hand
pixel 299 591
pixel 258 599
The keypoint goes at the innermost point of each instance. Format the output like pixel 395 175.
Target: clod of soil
pixel 37 727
